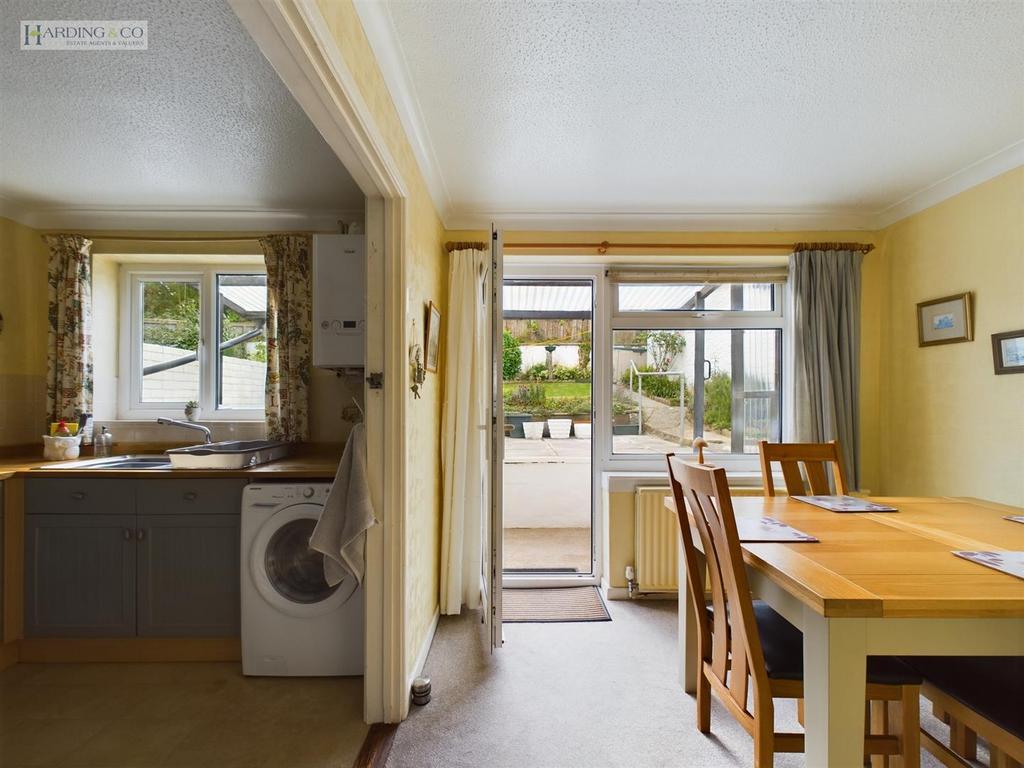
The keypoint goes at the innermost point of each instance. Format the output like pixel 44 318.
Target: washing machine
pixel 293 623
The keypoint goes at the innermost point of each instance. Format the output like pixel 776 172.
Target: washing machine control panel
pixel 282 494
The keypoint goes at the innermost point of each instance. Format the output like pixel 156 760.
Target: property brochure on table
pixel 845 504
pixel 1007 562
pixel 766 529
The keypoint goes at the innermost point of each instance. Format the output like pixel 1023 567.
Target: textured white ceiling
pixel 706 107
pixel 199 121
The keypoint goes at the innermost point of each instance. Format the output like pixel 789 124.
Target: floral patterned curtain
pixel 289 335
pixel 69 377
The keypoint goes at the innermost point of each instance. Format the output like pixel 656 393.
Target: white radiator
pixel 657 541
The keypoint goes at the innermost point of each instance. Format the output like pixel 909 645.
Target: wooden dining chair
pixel 750 655
pixel 815 458
pixel 976 696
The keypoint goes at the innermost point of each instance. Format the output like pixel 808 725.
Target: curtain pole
pixel 211 239
pixel 603 247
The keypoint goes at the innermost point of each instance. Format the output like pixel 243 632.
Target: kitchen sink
pixel 114 462
pixel 231 454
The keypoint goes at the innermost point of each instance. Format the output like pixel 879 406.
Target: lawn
pixel 553 388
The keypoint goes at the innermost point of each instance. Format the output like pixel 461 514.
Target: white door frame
pixel 531 267
pixel 295 38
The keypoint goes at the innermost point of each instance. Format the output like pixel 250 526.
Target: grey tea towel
pixel 340 534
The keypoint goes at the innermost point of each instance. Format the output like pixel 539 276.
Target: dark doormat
pixel 559 605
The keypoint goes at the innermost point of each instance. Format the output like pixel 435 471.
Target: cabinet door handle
pixel 78 495
pixel 140 534
pixel 127 534
pixel 190 496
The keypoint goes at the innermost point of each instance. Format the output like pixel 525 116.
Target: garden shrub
pixel 536 372
pixel 511 357
pixel 718 402
pixel 565 373
pixel 664 387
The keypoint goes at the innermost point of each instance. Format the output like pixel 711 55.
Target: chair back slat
pixel 815 458
pixel 817 478
pixel 735 665
pixel 694 569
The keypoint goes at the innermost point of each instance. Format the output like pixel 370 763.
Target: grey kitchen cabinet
pixel 188 575
pixel 79 575
pixel 76 495
pixel 189 497
pixel 174 545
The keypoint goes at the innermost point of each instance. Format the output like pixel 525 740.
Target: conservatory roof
pixel 571 299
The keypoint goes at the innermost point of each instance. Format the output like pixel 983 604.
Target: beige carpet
pixel 521 606
pixel 588 695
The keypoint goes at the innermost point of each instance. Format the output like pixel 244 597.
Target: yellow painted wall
pixel 427 270
pixel 949 425
pixel 23 302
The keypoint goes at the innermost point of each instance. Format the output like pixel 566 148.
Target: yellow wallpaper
pixel 427 269
pixel 949 425
pixel 23 259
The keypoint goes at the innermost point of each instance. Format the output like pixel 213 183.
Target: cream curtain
pixel 464 434
pixel 825 288
pixel 289 335
pixel 69 374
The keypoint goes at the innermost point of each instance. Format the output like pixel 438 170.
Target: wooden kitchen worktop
pixel 307 460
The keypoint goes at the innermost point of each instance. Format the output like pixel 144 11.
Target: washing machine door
pixel 288 574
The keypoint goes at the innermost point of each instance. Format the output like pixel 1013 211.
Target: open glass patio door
pixel 492 535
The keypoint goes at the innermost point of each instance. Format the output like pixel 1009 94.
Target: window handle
pixel 78 495
pixel 707 370
pixel 126 533
pixel 140 534
pixel 190 496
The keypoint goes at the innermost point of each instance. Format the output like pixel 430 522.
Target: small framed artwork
pixel 432 338
pixel 945 321
pixel 1008 351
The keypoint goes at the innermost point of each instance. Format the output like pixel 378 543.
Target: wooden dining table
pixel 875 584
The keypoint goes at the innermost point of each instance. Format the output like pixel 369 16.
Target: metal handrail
pixel 640 393
pixel 177 362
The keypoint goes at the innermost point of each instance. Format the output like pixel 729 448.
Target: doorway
pixel 547 389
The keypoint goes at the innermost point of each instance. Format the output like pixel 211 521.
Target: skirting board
pixel 421 657
pixel 54 650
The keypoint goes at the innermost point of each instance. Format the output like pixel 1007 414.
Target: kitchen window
pixel 696 357
pixel 193 335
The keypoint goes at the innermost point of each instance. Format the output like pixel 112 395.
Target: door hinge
pixel 375 380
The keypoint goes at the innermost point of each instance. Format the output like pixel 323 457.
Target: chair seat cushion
pixel 993 686
pixel 783 647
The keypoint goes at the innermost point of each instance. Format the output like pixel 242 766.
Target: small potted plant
pixel 191 410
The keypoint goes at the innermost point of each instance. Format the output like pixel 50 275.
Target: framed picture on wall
pixel 945 321
pixel 1008 351
pixel 432 338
